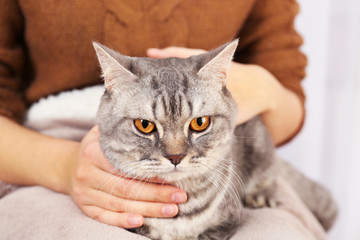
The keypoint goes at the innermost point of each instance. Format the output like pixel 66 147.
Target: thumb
pixel 91 149
pixel 92 136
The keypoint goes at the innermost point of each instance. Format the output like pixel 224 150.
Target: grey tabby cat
pixel 174 119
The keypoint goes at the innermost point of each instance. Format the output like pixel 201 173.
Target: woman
pixel 45 48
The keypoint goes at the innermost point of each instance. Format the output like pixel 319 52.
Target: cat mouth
pixel 172 171
pixel 176 169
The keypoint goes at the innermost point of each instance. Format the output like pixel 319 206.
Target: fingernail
pixel 135 220
pixel 178 197
pixel 153 50
pixel 169 210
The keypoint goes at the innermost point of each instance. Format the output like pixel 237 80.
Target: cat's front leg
pixel 262 195
pixel 221 232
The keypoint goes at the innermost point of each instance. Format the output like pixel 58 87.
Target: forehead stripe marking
pixel 185 84
pixel 180 104
pixel 154 84
pixel 190 106
pixel 173 105
pixel 164 104
pixel 153 106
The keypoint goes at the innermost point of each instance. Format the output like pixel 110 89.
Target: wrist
pixel 255 90
pixel 274 91
pixel 283 116
pixel 64 166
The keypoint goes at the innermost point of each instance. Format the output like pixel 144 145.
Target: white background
pixel 328 147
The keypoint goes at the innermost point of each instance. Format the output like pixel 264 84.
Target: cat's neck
pixel 215 178
pixel 206 191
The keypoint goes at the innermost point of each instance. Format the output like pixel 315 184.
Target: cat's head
pixel 171 118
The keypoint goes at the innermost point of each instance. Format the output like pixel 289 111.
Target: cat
pixel 174 119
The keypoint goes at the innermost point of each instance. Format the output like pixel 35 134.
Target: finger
pixel 124 220
pixel 92 151
pixel 173 52
pixel 92 135
pixel 147 209
pixel 136 190
pixel 156 53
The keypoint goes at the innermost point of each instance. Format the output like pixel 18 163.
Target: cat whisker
pixel 119 182
pixel 140 181
pixel 233 193
pixel 238 165
pixel 222 166
pixel 241 137
pixel 208 175
pixel 142 186
pixel 236 175
pixel 103 182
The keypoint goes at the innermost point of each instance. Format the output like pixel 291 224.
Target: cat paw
pixel 262 196
pixel 259 201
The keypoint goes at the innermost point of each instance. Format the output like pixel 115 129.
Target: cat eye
pixel 144 126
pixel 199 124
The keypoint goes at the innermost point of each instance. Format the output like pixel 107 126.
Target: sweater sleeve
pixel 268 39
pixel 12 104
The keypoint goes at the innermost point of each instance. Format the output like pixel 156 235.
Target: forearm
pixel 280 109
pixel 285 118
pixel 30 158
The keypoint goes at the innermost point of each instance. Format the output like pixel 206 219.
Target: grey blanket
pixel 39 213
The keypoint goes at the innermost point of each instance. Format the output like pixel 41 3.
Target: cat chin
pixel 177 175
pixel 168 175
pixel 174 176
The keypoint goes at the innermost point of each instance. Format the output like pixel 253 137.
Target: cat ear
pixel 218 61
pixel 113 65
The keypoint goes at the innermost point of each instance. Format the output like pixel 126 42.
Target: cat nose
pixel 175 159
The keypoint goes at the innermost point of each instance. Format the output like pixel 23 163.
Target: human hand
pixel 102 193
pixel 253 88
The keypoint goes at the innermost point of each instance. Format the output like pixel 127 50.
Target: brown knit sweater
pixel 45 46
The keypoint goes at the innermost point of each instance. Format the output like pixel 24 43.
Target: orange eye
pixel 144 126
pixel 200 124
